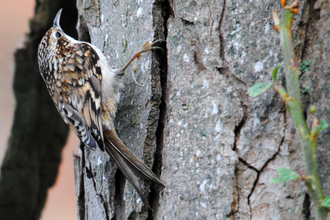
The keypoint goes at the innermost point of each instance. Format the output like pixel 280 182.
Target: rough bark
pixel 38 133
pixel 120 29
pixel 217 149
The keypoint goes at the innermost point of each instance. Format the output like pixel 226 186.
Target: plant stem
pixel 294 107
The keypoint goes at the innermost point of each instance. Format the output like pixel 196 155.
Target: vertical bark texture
pixel 38 133
pixel 119 29
pixel 217 149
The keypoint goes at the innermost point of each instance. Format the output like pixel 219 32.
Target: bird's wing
pixel 77 124
pixel 81 94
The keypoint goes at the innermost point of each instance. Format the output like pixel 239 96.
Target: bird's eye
pixel 58 34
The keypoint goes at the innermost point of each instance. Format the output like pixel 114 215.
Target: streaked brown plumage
pixel 85 90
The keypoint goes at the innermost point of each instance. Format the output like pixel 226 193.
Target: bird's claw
pixel 147 46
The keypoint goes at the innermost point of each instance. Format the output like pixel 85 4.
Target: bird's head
pixel 53 46
pixel 54 37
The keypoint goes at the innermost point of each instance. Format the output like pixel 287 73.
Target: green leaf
pixel 303 67
pixel 259 88
pixel 313 109
pixel 274 73
pixel 323 125
pixel 285 175
pixel 277 180
pixel 326 202
pixel 306 90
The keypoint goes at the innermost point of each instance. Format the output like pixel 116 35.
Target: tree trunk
pixel 38 133
pixel 120 29
pixel 215 148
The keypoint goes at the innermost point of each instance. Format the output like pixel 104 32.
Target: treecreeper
pixel 85 90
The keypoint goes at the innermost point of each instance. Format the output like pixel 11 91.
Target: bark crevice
pixel 224 69
pixel 120 182
pixel 259 172
pixel 161 33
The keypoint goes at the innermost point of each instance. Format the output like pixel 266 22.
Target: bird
pixel 85 90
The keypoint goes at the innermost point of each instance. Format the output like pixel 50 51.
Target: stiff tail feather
pixel 128 163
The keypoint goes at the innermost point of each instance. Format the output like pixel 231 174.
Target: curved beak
pixel 57 19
